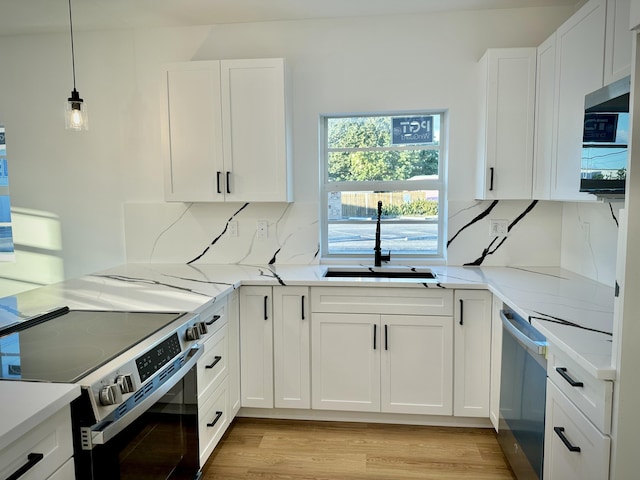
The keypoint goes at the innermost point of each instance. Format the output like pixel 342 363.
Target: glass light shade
pixel 76 113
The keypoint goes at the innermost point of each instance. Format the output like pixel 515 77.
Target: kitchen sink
pixel 380 272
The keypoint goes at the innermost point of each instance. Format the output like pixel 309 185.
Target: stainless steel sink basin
pixel 381 272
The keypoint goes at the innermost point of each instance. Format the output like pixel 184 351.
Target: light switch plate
pixel 499 228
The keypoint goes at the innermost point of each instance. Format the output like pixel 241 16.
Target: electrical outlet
pixel 262 229
pixel 232 228
pixel 499 228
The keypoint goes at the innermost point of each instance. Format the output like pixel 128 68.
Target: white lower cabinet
pixel 383 359
pixel 217 373
pixel 577 421
pixel 574 448
pixel 291 347
pixel 233 333
pixel 256 347
pixel 48 447
pixel 274 347
pixel 472 353
pixel 417 364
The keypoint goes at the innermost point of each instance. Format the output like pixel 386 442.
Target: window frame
pixel 439 184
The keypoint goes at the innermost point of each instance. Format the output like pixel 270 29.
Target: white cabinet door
pixel 472 353
pixel 345 361
pixel 291 337
pixel 508 77
pixel 496 363
pixel 574 449
pixel 417 364
pixel 544 126
pixel 233 326
pixel 192 131
pixel 225 131
pixel 619 40
pixel 255 134
pixel 256 347
pixel 579 70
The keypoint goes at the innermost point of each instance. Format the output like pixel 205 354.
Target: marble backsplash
pixel 199 233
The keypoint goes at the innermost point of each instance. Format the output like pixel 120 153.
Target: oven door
pixel 522 396
pixel 160 443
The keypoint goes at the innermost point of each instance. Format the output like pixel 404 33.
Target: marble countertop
pixel 25 405
pixel 573 312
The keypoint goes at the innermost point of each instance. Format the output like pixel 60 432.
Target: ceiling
pixel 40 16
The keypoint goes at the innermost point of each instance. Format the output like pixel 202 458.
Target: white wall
pixel 82 181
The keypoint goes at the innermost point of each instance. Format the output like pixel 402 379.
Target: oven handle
pixel 538 347
pixel 103 436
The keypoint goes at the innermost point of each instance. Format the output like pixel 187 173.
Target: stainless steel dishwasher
pixel 523 389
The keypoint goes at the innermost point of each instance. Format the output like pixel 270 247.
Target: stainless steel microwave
pixel 605 139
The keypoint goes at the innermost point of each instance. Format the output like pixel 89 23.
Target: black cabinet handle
pixel 491 179
pixel 216 359
pixel 213 320
pixel 266 314
pixel 32 459
pixel 302 307
pixel 218 182
pixel 461 312
pixel 375 334
pixel 386 337
pixel 560 432
pixel 228 182
pixel 215 420
pixel 563 373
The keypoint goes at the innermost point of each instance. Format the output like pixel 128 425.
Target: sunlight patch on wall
pixel 38 252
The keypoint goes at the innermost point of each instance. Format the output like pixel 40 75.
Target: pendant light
pixel 76 108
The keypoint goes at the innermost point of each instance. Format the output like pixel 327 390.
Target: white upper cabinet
pixel 619 41
pixel 225 131
pixel 507 96
pixel 544 127
pixel 579 70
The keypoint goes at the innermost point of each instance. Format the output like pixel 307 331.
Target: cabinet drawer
pixel 214 316
pixel 52 439
pixel 65 472
pixel 407 301
pixel 213 420
pixel 594 397
pixel 213 365
pixel 566 429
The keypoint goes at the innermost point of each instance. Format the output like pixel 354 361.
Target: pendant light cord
pixel 73 56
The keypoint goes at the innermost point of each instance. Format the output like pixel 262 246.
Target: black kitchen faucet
pixel 378 257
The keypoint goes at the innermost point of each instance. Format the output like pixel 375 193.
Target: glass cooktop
pixel 66 348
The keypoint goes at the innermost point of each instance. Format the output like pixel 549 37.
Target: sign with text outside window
pixel 412 130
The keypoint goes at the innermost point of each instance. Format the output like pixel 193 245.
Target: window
pixel 394 159
pixel 6 233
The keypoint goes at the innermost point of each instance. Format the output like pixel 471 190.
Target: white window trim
pixel 440 184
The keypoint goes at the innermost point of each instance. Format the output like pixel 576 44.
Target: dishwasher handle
pixel 534 345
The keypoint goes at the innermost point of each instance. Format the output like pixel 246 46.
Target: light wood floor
pixel 311 450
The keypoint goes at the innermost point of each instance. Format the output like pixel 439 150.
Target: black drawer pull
pixel 491 181
pixel 560 432
pixel 215 420
pixel 563 373
pixel 32 459
pixel 266 300
pixel 216 359
pixel 461 312
pixel 302 307
pixel 213 320
pixel 228 182
pixel 218 182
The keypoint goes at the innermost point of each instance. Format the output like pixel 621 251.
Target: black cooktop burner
pixel 68 347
